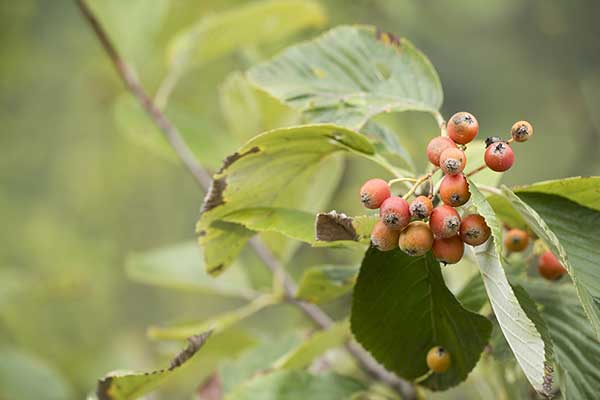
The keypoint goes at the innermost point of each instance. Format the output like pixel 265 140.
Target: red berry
pixel 454 190
pixel 549 267
pixel 438 359
pixel 521 131
pixel 448 250
pixel 453 161
pixel 444 221
pixel 462 127
pixel 394 213
pixel 436 146
pixel 516 240
pixel 374 192
pixel 416 239
pixel 383 238
pixel 474 230
pixel 499 157
pixel 421 207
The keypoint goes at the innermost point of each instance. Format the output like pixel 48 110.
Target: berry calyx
pixel 453 161
pixel 448 250
pixel 383 238
pixel 416 239
pixel 462 127
pixel 521 131
pixel 454 190
pixel 516 240
pixel 436 146
pixel 492 139
pixel 444 221
pixel 394 213
pixel 438 359
pixel 421 207
pixel 474 230
pixel 499 157
pixel 373 192
pixel 549 267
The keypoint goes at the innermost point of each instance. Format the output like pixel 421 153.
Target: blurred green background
pixel 78 195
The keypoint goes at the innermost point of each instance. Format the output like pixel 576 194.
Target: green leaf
pixel 532 352
pixel 131 385
pixel 323 283
pixel 293 385
pixel 261 357
pixel 402 308
pixel 571 232
pixel 215 324
pixel 350 74
pixel 274 170
pixel 580 189
pixel 388 145
pixel 475 152
pixel 180 266
pixel 249 111
pixel 317 344
pixel 577 351
pixel 258 22
pixel 26 377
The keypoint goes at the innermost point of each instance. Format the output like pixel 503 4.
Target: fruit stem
pixel 441 123
pixel 418 183
pixel 476 170
pixel 391 182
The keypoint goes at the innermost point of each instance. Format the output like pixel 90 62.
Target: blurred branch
pixel 204 179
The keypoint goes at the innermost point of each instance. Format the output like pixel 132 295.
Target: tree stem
pixel 204 179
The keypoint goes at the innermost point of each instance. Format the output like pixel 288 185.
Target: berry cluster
pixel 446 232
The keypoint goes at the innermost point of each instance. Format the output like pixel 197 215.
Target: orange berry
pixel 474 230
pixel 516 240
pixel 444 221
pixel 454 190
pixel 416 239
pixel 373 192
pixel 438 359
pixel 448 250
pixel 421 207
pixel 462 127
pixel 394 213
pixel 549 267
pixel 436 146
pixel 499 157
pixel 521 131
pixel 383 238
pixel 453 161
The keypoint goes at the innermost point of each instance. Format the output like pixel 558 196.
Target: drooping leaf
pixel 275 169
pixel 132 385
pixel 402 308
pixel 349 75
pixel 293 385
pixel 388 145
pixel 580 189
pixel 571 231
pixel 318 343
pixel 532 351
pixel 27 377
pixel 215 324
pixel 338 227
pixel 180 267
pixel 257 22
pixel 323 283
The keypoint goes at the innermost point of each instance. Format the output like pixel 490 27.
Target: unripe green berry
pixel 373 192
pixel 521 131
pixel 383 238
pixel 438 359
pixel 499 157
pixel 421 207
pixel 474 230
pixel 436 146
pixel 444 221
pixel 462 127
pixel 394 213
pixel 448 250
pixel 453 161
pixel 416 239
pixel 516 240
pixel 454 190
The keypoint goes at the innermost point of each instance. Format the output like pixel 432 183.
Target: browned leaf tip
pixel 334 226
pixel 194 344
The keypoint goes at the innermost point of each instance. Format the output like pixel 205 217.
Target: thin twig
pixel 419 182
pixel 476 170
pixel 203 178
pixel 439 118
